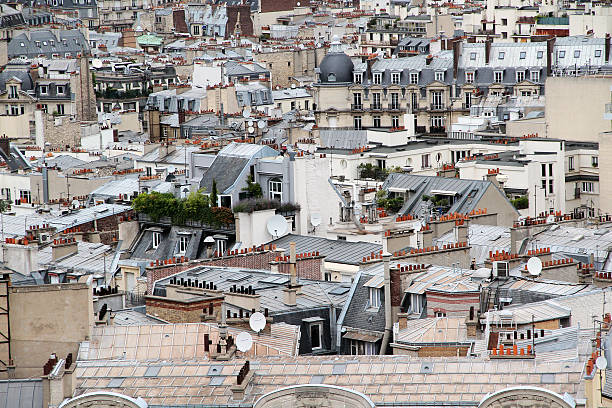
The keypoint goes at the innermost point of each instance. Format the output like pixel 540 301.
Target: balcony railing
pixel 394 106
pixel 437 106
pixel 437 129
pixel 376 106
pixel 356 106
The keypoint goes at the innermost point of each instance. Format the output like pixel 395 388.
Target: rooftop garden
pixel 249 205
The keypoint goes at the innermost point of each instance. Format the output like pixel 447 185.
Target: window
pixel 375 297
pixel 381 163
pixel 44 108
pixel 356 100
pixel 357 122
pixel 439 76
pixel 597 53
pixel 577 54
pixel 561 54
pixel 550 169
pixel 196 30
pixel 520 76
pixel 587 187
pixel 440 314
pixel 395 121
pixel 61 89
pixel 468 100
pixel 316 333
pixel 358 347
pixel 25 196
pixel 535 76
pixel 182 244
pixel 594 161
pixel 395 78
pixel 498 76
pixel 395 100
pixel 155 239
pixel 377 78
pixel 501 55
pixel 13 92
pixel 570 163
pixel 44 89
pixel 376 100
pixel 550 186
pixel 331 77
pixel 469 77
pixel 543 170
pixel 540 54
pixel 504 21
pixel 275 186
pixel 292 105
pixel 60 108
pixel 425 161
pixel 437 121
pixel 376 121
pixel 414 77
pixel 358 77
pixel 472 56
pixel 523 55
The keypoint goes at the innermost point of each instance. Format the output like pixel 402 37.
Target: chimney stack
pixel 607 48
pixel 292 290
pixel 292 260
pixel 487 50
pixel 456 56
pixel 388 317
pixel 550 48
pixel 63 247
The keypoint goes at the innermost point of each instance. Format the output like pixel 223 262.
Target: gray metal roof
pixel 27 393
pixel 345 252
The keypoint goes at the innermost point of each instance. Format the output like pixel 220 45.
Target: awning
pixel 361 336
pixel 444 192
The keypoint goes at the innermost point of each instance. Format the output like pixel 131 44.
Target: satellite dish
pixel 277 226
pixel 261 124
pixel 75 204
pixel 297 4
pixel 171 169
pixel 482 273
pixel 534 266
pixel 250 122
pixel 209 240
pixel 315 219
pixel 244 342
pixel 601 362
pixel 246 112
pixel 257 321
pixel 550 218
pixel 251 129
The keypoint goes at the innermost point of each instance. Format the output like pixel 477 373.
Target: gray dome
pixel 336 67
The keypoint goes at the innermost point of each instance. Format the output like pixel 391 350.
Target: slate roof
pixel 358 313
pixel 168 246
pixel 469 192
pixel 75 43
pixel 19 70
pixel 26 393
pixel 14 159
pixel 345 252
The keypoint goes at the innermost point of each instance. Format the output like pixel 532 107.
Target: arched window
pixel 275 187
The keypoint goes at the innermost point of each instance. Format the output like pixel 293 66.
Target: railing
pixel 376 106
pixel 134 299
pixel 437 129
pixel 394 106
pixel 356 106
pixel 437 106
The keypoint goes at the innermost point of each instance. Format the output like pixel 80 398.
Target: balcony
pixel 608 112
pixel 437 107
pixel 357 106
pixel 376 106
pixel 394 107
pixel 437 129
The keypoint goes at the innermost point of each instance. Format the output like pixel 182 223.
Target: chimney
pixel 487 50
pixel 63 247
pixel 58 380
pixel 181 116
pixel 244 377
pixel 514 236
pixel 425 238
pixel 292 261
pixel 461 230
pixel 388 318
pixel 550 48
pixel 607 48
pixel 456 56
pixel 428 59
pixel 5 145
pixel 292 290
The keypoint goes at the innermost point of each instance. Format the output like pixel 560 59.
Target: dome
pixel 336 66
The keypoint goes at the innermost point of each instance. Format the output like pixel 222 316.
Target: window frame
pixel 155 239
pixel 183 242
pixel 275 189
pixel 319 326
pixel 374 298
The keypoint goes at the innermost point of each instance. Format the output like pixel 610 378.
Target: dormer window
pixel 13 92
pixel 61 89
pixel 535 76
pixel 395 78
pixel 182 244
pixel 439 76
pixel 375 297
pixel 358 77
pixel 331 77
pixel 44 89
pixel 414 78
pixel 155 240
pixel 37 43
pixel 469 77
pixel 520 76
pixel 498 76
pixel 377 78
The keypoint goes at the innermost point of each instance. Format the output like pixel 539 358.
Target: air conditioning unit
pixel 501 269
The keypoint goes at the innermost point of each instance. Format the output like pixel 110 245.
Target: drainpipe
pixel 388 319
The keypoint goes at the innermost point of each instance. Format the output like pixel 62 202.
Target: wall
pixel 251 227
pixel 176 311
pixel 48 319
pixel 575 107
pixel 452 304
pixel 521 127
pixel 605 170
pixel 20 258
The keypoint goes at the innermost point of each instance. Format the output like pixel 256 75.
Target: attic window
pixel 331 77
pixel 22 44
pixel 156 239
pixel 577 54
pixel 501 55
pixel 540 54
pixel 523 55
pixel 472 56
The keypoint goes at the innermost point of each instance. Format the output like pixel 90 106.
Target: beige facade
pixel 48 319
pixel 605 171
pixel 284 65
pixel 575 107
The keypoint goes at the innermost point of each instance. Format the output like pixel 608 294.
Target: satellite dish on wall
pixel 277 226
pixel 251 129
pixel 315 219
pixel 601 363
pixel 246 113
pixel 257 321
pixel 250 122
pixel 244 342
pixel 534 266
pixel 261 124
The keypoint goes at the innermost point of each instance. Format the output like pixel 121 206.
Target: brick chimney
pixel 63 247
pixel 5 144
pixel 59 380
pixel 244 297
pixel 292 289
